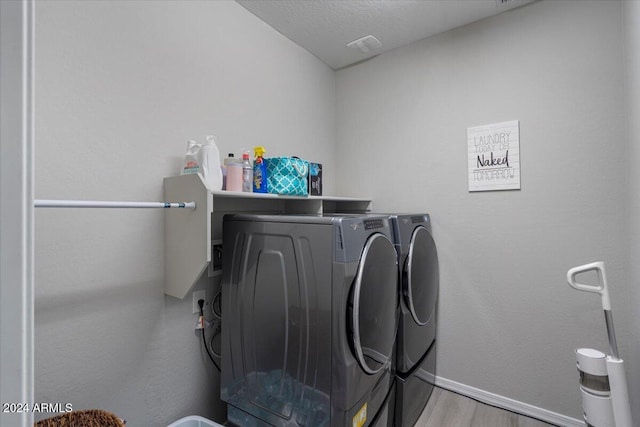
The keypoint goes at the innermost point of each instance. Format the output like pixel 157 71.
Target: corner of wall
pixel 631 18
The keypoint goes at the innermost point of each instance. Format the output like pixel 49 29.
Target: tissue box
pixel 315 179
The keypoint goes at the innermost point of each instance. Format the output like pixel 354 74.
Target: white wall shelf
pixel 190 235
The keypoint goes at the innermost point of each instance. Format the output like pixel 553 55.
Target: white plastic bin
pixel 194 421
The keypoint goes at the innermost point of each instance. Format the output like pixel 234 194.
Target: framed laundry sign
pixel 494 156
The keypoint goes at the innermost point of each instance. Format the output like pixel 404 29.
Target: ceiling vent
pixel 510 4
pixel 365 44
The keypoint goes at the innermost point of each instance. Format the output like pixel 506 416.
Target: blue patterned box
pixel 287 176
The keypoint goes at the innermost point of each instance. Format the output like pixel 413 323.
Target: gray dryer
pixel 416 342
pixel 310 312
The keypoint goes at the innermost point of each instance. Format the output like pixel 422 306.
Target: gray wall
pixel 120 87
pixel 632 57
pixel 508 321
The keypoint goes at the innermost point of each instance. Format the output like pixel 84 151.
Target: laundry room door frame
pixel 16 210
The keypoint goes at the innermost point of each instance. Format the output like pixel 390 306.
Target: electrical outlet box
pixel 217 257
pixel 215 266
pixel 198 295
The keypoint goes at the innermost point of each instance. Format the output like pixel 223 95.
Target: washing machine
pixel 416 342
pixel 310 314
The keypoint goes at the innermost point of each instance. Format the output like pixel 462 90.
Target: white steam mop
pixel 603 385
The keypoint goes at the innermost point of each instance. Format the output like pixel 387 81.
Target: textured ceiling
pixel 324 27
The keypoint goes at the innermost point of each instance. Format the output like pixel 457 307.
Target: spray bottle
pixel 247 173
pixel 259 171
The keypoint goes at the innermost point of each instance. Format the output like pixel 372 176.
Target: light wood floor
pixel 448 409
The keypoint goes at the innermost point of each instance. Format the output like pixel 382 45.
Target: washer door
pixel 421 276
pixel 374 304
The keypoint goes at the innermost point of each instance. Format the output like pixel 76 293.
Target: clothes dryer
pixel 310 312
pixel 416 342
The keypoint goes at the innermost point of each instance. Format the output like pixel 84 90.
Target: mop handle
pixel 601 289
pixel 611 332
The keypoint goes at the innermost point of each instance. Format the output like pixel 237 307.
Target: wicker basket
pixel 87 418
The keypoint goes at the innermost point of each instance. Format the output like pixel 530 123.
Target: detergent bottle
pixel 210 164
pixel 259 171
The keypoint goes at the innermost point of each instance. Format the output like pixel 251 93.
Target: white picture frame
pixel 494 156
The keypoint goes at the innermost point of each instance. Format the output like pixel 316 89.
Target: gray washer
pixel 310 311
pixel 416 343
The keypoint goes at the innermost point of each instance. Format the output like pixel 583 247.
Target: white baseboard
pixel 508 404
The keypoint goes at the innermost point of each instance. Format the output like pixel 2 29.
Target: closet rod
pixel 103 204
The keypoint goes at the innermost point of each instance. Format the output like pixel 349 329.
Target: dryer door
pixel 374 303
pixel 421 276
